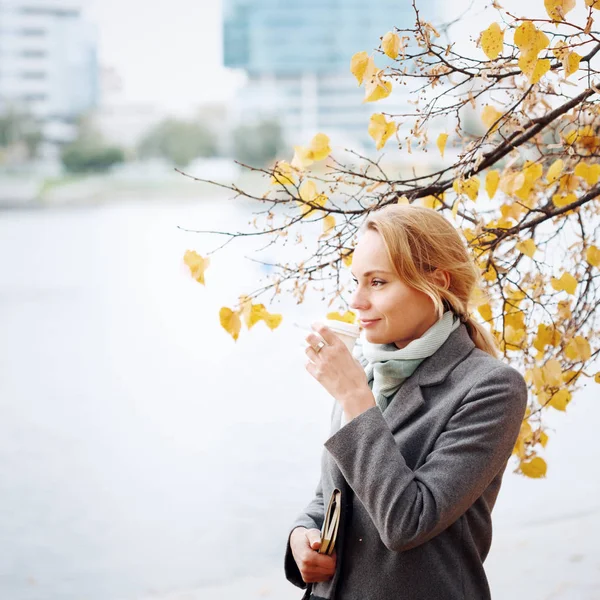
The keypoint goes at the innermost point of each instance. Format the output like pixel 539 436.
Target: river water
pixel 144 454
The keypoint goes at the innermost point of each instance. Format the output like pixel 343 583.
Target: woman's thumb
pixel 314 538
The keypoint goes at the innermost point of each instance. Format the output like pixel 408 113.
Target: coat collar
pixel 432 371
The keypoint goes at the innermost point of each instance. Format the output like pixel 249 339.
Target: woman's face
pixel 401 313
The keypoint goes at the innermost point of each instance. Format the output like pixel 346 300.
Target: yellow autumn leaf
pixel 319 146
pixel 571 63
pixel 347 317
pixel 490 116
pixel 303 157
pixel 597 377
pixel 560 200
pixel 403 200
pixel 535 376
pixel 455 208
pixel 347 257
pixel 525 437
pixel 378 92
pixel 515 318
pixel 530 42
pixel 529 39
pixel 272 321
pixel 546 335
pixel 358 65
pixel 375 87
pixel 381 130
pixel 492 41
pixel 432 202
pixel 283 174
pixel 592 255
pixel 554 171
pixel 245 306
pixel 527 247
pixel 197 265
pixel 591 173
pixel 469 187
pixel 552 373
pixel 569 182
pixel 391 44
pixel 593 3
pixel 534 468
pixel 253 315
pixel 441 143
pixel 584 136
pixel 571 376
pixel 543 439
pixel 308 193
pixel 578 349
pixel 521 183
pixel 564 309
pixel 566 283
pixel 570 60
pixel 317 150
pixel 478 297
pixel 230 321
pixel 534 69
pixel 490 274
pixel 560 50
pixel 308 190
pixel 514 336
pixel 328 223
pixel 560 400
pixel 491 183
pixel 511 182
pixel 557 9
pixel 485 310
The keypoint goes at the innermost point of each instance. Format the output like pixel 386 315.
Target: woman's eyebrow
pixel 372 272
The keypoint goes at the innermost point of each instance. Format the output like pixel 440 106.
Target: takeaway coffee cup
pixel 347 332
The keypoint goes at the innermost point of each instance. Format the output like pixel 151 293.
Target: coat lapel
pixel 432 371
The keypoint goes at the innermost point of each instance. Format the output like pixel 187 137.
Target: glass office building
pixel 48 62
pixel 297 58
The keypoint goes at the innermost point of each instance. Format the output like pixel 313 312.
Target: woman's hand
pixel 313 566
pixel 338 371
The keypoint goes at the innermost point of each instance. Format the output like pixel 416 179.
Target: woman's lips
pixel 367 322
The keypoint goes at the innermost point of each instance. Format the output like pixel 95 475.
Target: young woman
pixel 424 421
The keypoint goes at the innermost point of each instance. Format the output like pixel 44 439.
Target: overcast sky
pixel 167 52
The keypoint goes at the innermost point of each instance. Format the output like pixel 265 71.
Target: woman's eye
pixel 375 281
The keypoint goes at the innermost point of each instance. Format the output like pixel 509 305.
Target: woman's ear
pixel 442 278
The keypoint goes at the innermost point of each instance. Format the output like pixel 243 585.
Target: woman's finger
pixel 312 339
pixel 325 333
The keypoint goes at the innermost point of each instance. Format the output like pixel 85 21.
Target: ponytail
pixel 481 337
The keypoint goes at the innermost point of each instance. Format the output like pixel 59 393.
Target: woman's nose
pixel 357 301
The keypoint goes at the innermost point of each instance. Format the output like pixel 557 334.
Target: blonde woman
pixel 424 421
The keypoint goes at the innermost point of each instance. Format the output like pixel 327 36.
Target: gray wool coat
pixel 419 481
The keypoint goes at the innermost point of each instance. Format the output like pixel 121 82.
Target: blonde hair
pixel 420 240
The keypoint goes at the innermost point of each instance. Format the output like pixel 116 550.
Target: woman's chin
pixel 374 338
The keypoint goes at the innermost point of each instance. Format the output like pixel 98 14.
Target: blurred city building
pixel 48 63
pixel 118 120
pixel 297 59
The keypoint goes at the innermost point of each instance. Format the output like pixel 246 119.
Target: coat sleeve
pixel 311 517
pixel 410 507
